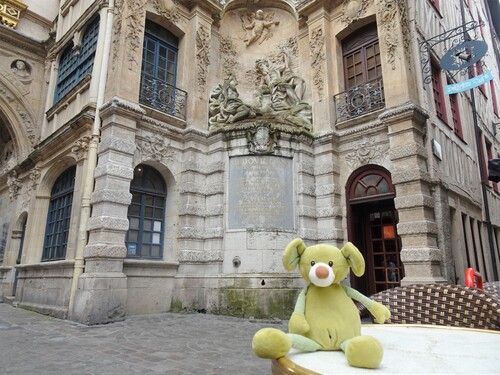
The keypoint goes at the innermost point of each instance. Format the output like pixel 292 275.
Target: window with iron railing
pixel 362 75
pixel 359 100
pixel 159 71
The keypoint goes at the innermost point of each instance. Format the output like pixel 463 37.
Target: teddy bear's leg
pixel 303 343
pixel 363 351
pixel 271 343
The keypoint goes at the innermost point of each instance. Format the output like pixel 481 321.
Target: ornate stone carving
pixel 14 185
pixel 155 148
pixel 388 23
pixel 168 9
pixel 353 10
pixel 278 92
pixel 28 123
pixel 262 140
pixel 226 106
pixel 316 45
pixel 200 233
pixel 228 55
pixel 81 147
pixel 30 188
pixel 21 69
pixel 129 20
pixel 258 28
pixel 366 152
pixel 202 57
pixel 194 256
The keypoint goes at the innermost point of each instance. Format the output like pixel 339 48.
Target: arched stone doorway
pixel 372 227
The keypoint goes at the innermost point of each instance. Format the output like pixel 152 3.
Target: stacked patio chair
pixel 441 304
pixel 493 288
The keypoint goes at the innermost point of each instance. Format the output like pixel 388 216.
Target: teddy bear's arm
pixel 379 311
pixel 298 323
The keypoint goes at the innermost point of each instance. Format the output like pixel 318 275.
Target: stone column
pixel 398 68
pixel 197 55
pixel 101 294
pixel 417 225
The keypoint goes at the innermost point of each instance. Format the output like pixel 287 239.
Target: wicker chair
pixel 493 288
pixel 441 304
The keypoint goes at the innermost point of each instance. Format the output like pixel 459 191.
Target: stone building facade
pixel 158 155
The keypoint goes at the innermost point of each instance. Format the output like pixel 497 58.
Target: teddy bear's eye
pixel 330 263
pixel 313 263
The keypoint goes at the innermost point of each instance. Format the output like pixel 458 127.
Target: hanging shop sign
pixel 469 84
pixel 464 55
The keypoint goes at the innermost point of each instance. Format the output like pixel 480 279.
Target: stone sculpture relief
pixel 353 10
pixel 278 96
pixel 81 147
pixel 225 105
pixel 387 15
pixel 258 28
pixel 154 148
pixel 262 140
pixel 279 88
pixel 168 9
pixel 366 152
pixel 21 69
pixel 129 20
pixel 228 55
pixel 317 51
pixel 14 185
pixel 202 57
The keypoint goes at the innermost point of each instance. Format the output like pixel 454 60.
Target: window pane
pixel 149 206
pixel 72 67
pixel 58 216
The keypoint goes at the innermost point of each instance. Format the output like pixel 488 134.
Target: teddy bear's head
pixel 323 265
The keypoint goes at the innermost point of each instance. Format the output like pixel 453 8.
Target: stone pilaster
pixel 101 294
pixel 417 225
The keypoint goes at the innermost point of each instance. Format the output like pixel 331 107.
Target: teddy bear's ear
pixel 292 253
pixel 354 258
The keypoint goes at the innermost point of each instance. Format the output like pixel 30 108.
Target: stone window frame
pixel 141 193
pixel 59 216
pixel 76 62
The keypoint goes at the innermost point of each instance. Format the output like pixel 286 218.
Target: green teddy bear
pixel 325 316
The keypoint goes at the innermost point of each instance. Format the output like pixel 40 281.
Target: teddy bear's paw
pixel 271 343
pixel 298 324
pixel 364 351
pixel 380 312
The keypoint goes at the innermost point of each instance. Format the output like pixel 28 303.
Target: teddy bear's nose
pixel 322 272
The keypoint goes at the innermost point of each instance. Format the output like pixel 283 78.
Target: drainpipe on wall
pixel 88 185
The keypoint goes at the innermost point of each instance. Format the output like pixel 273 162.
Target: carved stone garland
pixel 168 9
pixel 202 57
pixel 317 52
pixel 353 10
pixel 387 19
pixel 130 17
pixel 154 148
pixel 228 54
pixel 366 152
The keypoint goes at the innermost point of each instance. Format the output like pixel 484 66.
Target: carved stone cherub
pixel 258 28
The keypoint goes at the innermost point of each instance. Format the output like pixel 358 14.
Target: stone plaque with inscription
pixel 260 193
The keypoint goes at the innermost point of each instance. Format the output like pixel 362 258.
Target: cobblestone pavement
pixel 172 344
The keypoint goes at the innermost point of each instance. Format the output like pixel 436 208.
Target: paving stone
pixel 171 344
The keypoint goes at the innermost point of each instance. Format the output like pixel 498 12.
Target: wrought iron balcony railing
pixel 359 100
pixel 163 97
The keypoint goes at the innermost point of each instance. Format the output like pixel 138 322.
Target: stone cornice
pixel 15 39
pixel 404 111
